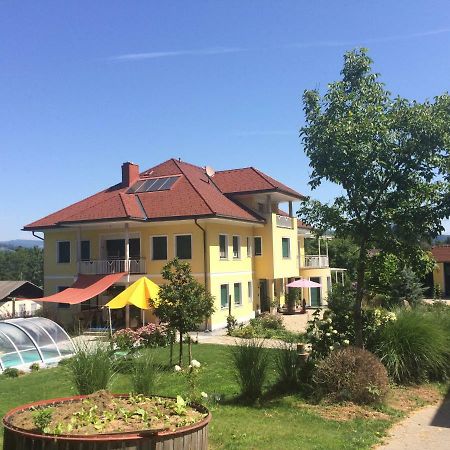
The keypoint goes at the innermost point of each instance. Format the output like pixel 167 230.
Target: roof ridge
pixel 264 177
pixel 193 187
pixel 234 170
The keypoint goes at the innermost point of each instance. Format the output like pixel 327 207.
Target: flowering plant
pixel 149 335
pixel 337 330
pixel 191 374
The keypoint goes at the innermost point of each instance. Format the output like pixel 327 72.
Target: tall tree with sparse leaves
pixel 184 303
pixel 389 157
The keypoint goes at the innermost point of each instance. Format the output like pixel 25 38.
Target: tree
pixel 184 303
pixel 389 158
pixel 23 264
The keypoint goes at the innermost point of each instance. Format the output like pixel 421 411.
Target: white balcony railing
pixel 316 261
pixel 106 266
pixel 284 221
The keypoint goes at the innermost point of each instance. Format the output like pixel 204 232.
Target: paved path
pixel 427 429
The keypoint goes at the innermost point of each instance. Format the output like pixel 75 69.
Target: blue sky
pixel 87 85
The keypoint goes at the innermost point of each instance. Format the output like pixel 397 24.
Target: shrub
pixel 231 324
pixel 268 322
pixel 415 347
pixel 251 363
pixel 144 374
pixel 286 366
pixel 35 367
pixel 11 372
pixel 152 336
pixel 125 339
pixel 91 368
pixel 352 374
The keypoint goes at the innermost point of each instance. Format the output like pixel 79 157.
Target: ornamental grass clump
pixel 251 365
pixel 352 374
pixel 286 366
pixel 91 368
pixel 145 373
pixel 415 347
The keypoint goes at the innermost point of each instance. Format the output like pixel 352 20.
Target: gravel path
pixel 427 429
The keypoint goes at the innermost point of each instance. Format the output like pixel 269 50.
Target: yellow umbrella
pixel 138 294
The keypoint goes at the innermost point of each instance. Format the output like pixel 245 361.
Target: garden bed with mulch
pixel 105 413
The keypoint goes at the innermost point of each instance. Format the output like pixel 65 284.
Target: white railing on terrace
pixel 106 266
pixel 284 221
pixel 316 261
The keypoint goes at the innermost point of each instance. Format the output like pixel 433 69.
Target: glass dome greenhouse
pixel 32 340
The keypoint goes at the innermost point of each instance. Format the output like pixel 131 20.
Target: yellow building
pixel 226 224
pixel 441 273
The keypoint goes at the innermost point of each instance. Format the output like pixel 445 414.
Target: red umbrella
pixel 303 283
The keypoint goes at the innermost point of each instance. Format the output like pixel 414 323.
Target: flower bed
pixel 105 417
pixel 150 335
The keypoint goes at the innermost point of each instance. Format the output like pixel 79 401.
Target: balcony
pixel 284 222
pixel 316 261
pixel 107 266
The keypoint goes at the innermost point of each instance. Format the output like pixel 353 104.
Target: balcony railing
pixel 316 261
pixel 106 266
pixel 284 221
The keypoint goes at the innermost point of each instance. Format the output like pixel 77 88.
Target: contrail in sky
pixel 313 44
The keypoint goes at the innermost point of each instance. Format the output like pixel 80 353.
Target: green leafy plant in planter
pixel 42 419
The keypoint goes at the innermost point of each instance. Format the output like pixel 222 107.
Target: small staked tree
pixel 389 157
pixel 184 303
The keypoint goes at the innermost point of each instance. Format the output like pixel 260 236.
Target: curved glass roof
pixel 35 339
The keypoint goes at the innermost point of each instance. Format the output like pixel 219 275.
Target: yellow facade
pixel 242 273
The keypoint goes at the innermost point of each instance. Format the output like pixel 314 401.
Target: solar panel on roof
pixel 153 185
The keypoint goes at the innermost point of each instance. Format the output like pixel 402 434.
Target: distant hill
pixel 27 243
pixel 442 239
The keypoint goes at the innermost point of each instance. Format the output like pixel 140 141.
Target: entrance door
pixel 263 297
pixel 315 293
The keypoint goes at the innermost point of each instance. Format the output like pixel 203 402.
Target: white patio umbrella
pixel 303 283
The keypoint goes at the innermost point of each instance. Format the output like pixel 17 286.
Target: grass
pixel 283 422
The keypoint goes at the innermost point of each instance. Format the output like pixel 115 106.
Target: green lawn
pixel 278 424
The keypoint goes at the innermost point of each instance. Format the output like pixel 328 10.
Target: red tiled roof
pixel 441 253
pixel 249 179
pixel 192 195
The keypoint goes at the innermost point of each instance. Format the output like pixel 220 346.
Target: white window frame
pixel 239 246
pixel 57 251
pixel 228 296
pixel 289 248
pixel 250 291
pixel 224 258
pixel 240 294
pixel 254 246
pixel 167 246
pixel 175 246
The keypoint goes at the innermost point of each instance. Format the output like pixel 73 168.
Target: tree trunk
pixel 172 338
pixel 180 358
pixel 360 278
pixel 190 348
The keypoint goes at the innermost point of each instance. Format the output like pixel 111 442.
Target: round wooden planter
pixel 193 437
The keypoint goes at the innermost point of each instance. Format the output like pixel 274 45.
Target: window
pixel 261 207
pixel 224 295
pixel 286 247
pixel 249 247
pixel 63 252
pixel 250 291
pixel 258 246
pixel 236 247
pixel 85 251
pixel 62 305
pixel 237 294
pixel 223 246
pixel 159 248
pixel 183 246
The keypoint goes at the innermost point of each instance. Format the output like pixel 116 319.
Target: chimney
pixel 130 174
